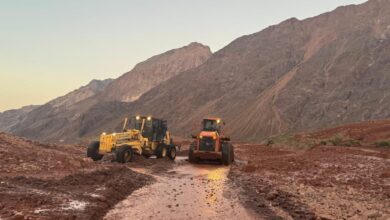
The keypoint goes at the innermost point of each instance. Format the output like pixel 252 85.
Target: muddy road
pixel 46 181
pixel 187 191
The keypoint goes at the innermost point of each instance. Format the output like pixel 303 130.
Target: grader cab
pixel 211 144
pixel 141 135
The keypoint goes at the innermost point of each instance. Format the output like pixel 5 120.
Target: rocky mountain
pixel 63 119
pixel 298 75
pixel 148 74
pixel 12 117
pixel 92 88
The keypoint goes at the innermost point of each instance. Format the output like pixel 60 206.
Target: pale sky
pixel 51 47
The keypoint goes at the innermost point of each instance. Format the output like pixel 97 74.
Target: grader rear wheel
pixel 172 152
pixel 124 154
pixel 161 151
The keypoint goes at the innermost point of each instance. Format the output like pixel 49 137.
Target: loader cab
pixel 152 128
pixel 211 124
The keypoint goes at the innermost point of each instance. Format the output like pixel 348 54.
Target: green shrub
pixel 270 142
pixel 352 143
pixel 323 143
pixel 337 141
pixel 383 144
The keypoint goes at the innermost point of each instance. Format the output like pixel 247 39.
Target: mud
pixel 323 182
pixel 78 196
pixel 41 181
pixel 188 191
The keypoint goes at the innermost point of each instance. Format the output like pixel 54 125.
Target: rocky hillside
pixel 63 119
pixel 78 95
pixel 10 118
pixel 150 73
pixel 298 75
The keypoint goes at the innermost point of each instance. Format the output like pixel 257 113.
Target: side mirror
pixel 193 136
pixel 225 138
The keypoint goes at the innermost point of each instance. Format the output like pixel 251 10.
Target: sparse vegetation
pixel 270 142
pixel 382 144
pixel 339 141
pixel 291 140
pixel 351 143
pixel 323 143
pixel 336 141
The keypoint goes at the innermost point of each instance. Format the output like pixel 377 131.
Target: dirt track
pixel 187 191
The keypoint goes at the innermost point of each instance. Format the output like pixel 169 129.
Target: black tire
pixel 172 152
pixel 232 153
pixel 191 157
pixel 93 151
pixel 161 151
pixel 227 153
pixel 124 154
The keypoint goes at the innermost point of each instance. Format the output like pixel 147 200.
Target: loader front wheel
pixel 191 156
pixel 227 154
pixel 124 154
pixel 93 151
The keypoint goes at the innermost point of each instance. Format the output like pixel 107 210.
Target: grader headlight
pixel 137 117
pixel 149 118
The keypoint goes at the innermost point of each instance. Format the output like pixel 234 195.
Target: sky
pixel 51 47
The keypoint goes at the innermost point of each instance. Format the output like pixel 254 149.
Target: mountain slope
pixel 297 75
pixel 148 74
pixel 10 118
pixel 63 119
pixel 94 87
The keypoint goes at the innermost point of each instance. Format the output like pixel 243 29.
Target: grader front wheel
pixel 93 151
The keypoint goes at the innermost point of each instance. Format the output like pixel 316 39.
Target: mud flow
pixel 187 191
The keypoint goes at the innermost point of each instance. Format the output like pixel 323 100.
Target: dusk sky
pixel 51 47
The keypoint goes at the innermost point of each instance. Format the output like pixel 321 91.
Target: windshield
pixel 147 127
pixel 210 125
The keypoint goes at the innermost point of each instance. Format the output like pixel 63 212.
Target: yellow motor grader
pixel 145 136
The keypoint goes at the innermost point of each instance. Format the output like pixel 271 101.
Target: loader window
pixel 210 125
